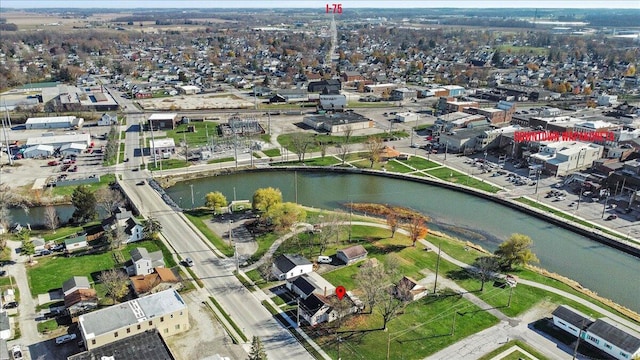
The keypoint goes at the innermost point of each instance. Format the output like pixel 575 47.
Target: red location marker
pixel 340 292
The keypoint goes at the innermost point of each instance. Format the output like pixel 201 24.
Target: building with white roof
pixel 163 121
pixel 38 151
pixel 165 311
pixel 72 148
pixel 53 122
pixel 59 140
pixel 164 145
pixel 559 158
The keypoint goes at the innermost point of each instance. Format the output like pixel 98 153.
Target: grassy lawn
pixel 264 243
pixel 49 273
pixel 419 163
pixel 510 344
pixel 286 139
pixel 68 190
pixel 199 219
pixel 454 176
pixel 64 232
pixel 363 104
pixel 221 160
pixel 166 164
pixel 272 152
pixel 121 153
pixel 564 215
pixel 424 328
pixel 319 161
pixel 9 282
pixel 199 137
pixel 47 326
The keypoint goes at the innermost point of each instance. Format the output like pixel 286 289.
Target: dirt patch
pixel 196 102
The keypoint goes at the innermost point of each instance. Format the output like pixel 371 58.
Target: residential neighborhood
pixel 332 183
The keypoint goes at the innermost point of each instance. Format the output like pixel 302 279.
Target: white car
pixel 16 352
pixel 188 262
pixel 65 339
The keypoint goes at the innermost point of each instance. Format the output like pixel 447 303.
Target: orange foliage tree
pixel 417 229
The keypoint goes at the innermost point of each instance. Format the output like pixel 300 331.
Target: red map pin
pixel 340 291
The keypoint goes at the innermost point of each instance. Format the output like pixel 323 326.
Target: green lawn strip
pixel 364 104
pixel 194 277
pixel 565 216
pixel 47 326
pixel 68 190
pixel 64 232
pixel 198 218
pixel 197 138
pixel 397 166
pixel 264 243
pixel 419 163
pixel 457 177
pixel 320 161
pixel 166 164
pixel 226 316
pixel 50 272
pixel 286 139
pixel 187 285
pixel 516 355
pixel 121 150
pixel 523 345
pixel 248 284
pixel 221 160
pixel 272 152
pixel 278 300
pixel 424 327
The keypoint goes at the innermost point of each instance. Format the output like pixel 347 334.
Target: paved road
pixel 216 273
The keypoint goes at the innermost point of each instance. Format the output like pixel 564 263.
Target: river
pixel 609 272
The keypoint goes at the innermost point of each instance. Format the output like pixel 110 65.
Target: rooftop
pixel 163 116
pixel 146 345
pixel 130 313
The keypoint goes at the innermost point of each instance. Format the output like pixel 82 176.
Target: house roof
pixel 130 313
pixel 313 303
pixel 287 262
pixel 145 283
pixel 75 240
pixel 81 282
pixel 572 316
pixel 79 296
pixel 616 334
pixel 354 252
pixel 304 285
pixel 130 224
pixel 139 253
pixel 146 345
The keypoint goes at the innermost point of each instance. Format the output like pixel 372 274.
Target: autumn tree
pixel 344 147
pixel 215 200
pixel 109 199
pixel 374 146
pixel 284 215
pixel 85 203
pixel 516 251
pixel 392 222
pixel 116 283
pixel 51 218
pixel 265 198
pixel 484 268
pixel 417 228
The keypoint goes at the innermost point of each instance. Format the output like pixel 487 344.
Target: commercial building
pixel 333 102
pixel 163 121
pixel 60 140
pixel 403 94
pixel 562 157
pixel 162 146
pixel 38 151
pixel 407 117
pixel 165 311
pixel 336 123
pixel 53 122
pixel 145 345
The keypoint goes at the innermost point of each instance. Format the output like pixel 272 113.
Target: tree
pixel 388 306
pixel 300 142
pixel 109 199
pixel 368 280
pixel 116 237
pixel 330 231
pixel 265 198
pixel 284 215
pixel 392 221
pixel 344 148
pixel 323 145
pixel 85 203
pixel 485 268
pixel 116 283
pixel 151 228
pixel 51 219
pixel 417 229
pixel 215 200
pixel 374 146
pixel 516 251
pixel 27 248
pixel 257 350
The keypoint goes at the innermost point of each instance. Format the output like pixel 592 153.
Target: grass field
pixel 272 152
pixel 454 176
pixel 166 164
pixel 510 344
pixel 286 139
pixel 197 138
pixel 198 218
pixel 320 161
pixel 221 160
pixel 50 272
pixel 419 163
pixel 68 190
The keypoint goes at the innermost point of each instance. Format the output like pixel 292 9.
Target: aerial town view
pixel 231 180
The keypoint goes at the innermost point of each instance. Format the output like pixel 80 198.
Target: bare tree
pixel 330 228
pixel 300 142
pixel 374 146
pixel 388 306
pixel 265 268
pixel 8 199
pixel 109 199
pixel 485 268
pixel 116 237
pixel 392 222
pixel 51 218
pixel 323 145
pixel 344 148
pixel 115 283
pixel 369 281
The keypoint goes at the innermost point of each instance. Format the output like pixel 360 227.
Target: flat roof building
pixel 338 122
pixel 146 345
pixel 163 121
pixel 59 140
pixel 165 311
pixel 53 122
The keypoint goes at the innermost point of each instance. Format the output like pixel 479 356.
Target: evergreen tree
pixel 257 350
pixel 85 203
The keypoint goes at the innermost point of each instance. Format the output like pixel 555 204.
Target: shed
pixel 75 283
pixel 76 243
pixel 352 254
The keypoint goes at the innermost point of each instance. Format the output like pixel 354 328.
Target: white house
pixel 407 117
pixel 308 284
pixel 38 151
pixel 129 224
pixel 142 261
pixel 288 266
pixel 352 254
pixel 317 309
pixel 107 120
pixel 76 243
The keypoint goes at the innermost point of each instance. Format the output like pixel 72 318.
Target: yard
pixel 199 218
pixel 166 164
pixel 50 272
pixel 68 190
pixel 197 138
pixel 454 176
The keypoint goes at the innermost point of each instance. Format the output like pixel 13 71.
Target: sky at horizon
pixel 184 4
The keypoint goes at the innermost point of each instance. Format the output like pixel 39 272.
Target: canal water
pixel 610 273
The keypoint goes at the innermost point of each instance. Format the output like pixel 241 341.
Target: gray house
pixel 142 261
pixel 75 283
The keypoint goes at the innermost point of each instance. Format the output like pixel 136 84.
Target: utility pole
pixel 155 158
pixel 298 312
pixel 235 252
pixel 510 293
pixel 192 202
pixel 435 283
pixel 186 148
pixel 230 232
pixel 604 207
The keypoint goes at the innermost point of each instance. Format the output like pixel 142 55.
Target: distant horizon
pixel 308 4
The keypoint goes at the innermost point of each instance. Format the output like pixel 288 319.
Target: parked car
pixel 188 262
pixel 10 305
pixel 16 352
pixel 141 182
pixel 65 339
pixel 3 273
pixel 324 259
pixel 59 247
pixel 612 217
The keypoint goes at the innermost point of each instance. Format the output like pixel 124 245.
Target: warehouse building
pixel 54 122
pixel 60 140
pixel 163 121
